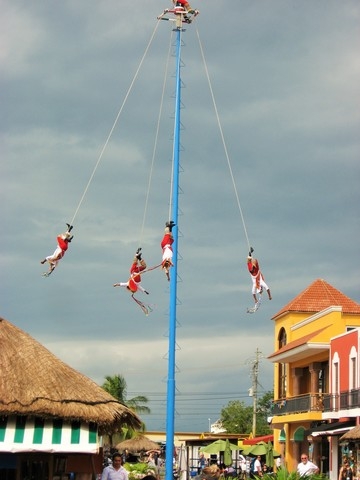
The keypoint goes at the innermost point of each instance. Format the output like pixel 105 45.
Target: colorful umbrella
pixel 218 446
pixel 270 455
pixel 227 454
pixel 260 448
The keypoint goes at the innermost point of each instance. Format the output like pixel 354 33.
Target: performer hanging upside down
pixel 166 243
pixel 63 244
pixel 257 277
pixel 134 282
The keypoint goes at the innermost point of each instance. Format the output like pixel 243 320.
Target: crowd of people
pixel 249 467
pixel 207 469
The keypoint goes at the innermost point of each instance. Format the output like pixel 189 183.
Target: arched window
pixel 335 382
pixel 282 338
pixel 282 381
pixel 299 434
pixel 353 382
pixel 353 366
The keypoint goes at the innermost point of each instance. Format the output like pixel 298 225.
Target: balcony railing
pixel 342 401
pixel 300 404
pixel 318 402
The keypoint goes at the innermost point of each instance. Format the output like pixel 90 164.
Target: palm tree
pixel 117 387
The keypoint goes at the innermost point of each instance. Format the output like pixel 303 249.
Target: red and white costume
pixel 133 284
pixel 166 245
pixel 63 245
pixel 256 276
pixel 184 4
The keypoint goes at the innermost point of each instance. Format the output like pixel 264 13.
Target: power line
pixel 243 393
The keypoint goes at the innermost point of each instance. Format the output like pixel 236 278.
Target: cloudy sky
pixel 285 79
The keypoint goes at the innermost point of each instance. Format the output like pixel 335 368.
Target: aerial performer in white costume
pixel 258 281
pixel 63 240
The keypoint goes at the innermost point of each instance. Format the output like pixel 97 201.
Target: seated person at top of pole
pixel 187 7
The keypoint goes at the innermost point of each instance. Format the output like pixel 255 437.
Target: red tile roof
pixel 317 297
pixel 297 343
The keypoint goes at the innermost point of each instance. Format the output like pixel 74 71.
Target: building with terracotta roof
pixel 308 413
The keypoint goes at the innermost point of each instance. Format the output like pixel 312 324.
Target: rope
pixel 135 274
pixel 145 308
pixel 223 141
pixel 113 126
pixel 155 143
pixel 151 268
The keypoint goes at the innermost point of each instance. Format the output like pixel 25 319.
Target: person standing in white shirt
pixel 115 471
pixel 306 467
pixel 257 470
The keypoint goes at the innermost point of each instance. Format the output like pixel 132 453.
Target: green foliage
pixel 139 470
pixel 284 474
pixel 117 387
pixel 264 406
pixel 236 417
pixel 265 402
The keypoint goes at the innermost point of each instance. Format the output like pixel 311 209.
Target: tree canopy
pixel 237 417
pixel 117 387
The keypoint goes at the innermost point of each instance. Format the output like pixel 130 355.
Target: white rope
pixel 155 142
pixel 223 141
pixel 114 124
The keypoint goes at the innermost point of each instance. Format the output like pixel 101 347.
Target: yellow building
pixel 302 400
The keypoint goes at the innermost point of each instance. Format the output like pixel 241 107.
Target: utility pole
pixel 254 388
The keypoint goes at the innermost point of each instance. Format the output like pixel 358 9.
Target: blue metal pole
pixel 170 409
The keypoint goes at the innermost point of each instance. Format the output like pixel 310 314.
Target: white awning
pixel 337 431
pixel 23 434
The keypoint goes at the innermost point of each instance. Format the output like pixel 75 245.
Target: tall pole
pixel 170 409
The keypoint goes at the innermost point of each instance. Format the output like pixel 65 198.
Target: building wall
pixel 343 348
pixel 328 324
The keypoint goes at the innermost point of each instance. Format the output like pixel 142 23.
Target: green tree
pixel 236 417
pixel 117 387
pixel 264 409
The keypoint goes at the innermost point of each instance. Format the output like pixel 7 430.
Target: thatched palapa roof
pixel 35 382
pixel 136 444
pixel 353 434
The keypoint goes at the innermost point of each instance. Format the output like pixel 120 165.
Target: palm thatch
pixel 35 382
pixel 139 443
pixel 353 434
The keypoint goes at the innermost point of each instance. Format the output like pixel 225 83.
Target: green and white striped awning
pixel 29 434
